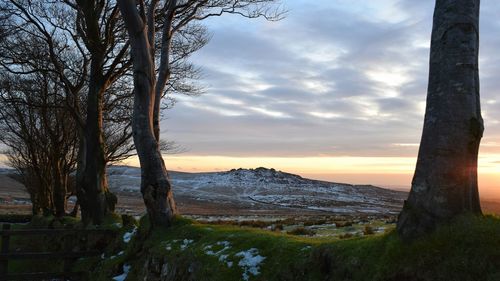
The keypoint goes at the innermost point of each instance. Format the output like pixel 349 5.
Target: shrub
pixel 346 235
pixel 368 230
pixel 278 227
pixel 314 222
pixel 301 231
pixel 343 223
pixel 255 223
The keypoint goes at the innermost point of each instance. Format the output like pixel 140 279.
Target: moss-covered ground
pixel 466 249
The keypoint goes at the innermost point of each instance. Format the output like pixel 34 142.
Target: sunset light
pixel 391 172
pixel 250 140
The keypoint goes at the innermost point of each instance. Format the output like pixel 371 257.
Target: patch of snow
pixel 222 258
pixel 226 246
pixel 123 276
pixel 250 262
pixel 119 254
pixel 185 243
pixel 5 170
pixel 128 235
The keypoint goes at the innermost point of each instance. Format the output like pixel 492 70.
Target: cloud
pixel 333 78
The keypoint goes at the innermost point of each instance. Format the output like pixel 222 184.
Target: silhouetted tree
pixel 85 47
pixel 41 137
pixel 445 180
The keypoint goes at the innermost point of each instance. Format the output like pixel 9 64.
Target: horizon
pixel 250 140
pixel 351 93
pixel 345 103
pixel 396 174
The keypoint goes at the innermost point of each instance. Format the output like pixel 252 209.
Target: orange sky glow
pixel 390 172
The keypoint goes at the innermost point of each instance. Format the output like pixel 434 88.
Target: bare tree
pixel 445 180
pixel 89 56
pixel 150 82
pixel 85 46
pixel 82 45
pixel 41 138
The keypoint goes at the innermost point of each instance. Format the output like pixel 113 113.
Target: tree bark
pixel 445 180
pixel 155 184
pixel 94 206
pixel 164 70
pixel 95 199
pixel 59 188
pixel 80 165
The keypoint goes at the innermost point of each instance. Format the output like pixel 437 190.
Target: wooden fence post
pixel 4 263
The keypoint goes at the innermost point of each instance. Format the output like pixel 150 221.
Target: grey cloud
pixel 317 62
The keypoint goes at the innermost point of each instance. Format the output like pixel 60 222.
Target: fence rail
pixel 67 255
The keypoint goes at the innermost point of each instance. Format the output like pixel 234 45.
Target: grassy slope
pixel 467 249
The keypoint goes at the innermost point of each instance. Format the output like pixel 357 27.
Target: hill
pixel 264 191
pixel 246 192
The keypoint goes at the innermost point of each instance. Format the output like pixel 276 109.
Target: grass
pixel 466 249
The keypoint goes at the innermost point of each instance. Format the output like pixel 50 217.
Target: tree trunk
pixel 155 184
pixel 59 188
pixel 94 205
pixel 43 187
pixel 445 180
pixel 164 70
pixel 80 165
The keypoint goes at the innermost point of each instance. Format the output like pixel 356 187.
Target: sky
pixel 336 91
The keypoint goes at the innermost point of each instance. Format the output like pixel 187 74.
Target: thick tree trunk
pixel 155 184
pixel 445 180
pixel 59 188
pixel 44 192
pixel 93 201
pixel 80 165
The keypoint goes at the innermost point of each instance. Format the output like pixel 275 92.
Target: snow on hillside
pixel 269 186
pixel 6 170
